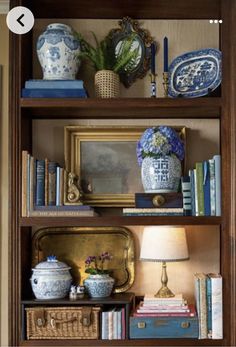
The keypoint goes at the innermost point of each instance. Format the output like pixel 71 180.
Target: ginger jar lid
pixel 51 264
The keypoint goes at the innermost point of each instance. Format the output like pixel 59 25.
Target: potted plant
pixel 99 284
pixel 108 62
pixel 159 152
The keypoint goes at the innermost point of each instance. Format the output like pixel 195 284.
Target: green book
pixel 200 191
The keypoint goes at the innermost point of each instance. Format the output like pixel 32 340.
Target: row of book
pixel 202 189
pixel 208 294
pixel 113 324
pixel 175 306
pixel 54 89
pixel 43 184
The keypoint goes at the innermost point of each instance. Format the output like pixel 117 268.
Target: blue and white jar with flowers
pixel 58 49
pixel 159 152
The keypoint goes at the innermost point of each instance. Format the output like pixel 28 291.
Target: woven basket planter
pixel 107 84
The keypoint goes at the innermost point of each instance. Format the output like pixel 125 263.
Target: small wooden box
pixel 62 322
pixel 155 200
pixel 163 327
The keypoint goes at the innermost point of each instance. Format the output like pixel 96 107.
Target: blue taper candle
pixel 165 54
pixel 153 53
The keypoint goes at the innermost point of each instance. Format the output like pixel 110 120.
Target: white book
pixel 104 325
pixel 201 303
pixel 217 309
pixel 217 161
pixel 150 297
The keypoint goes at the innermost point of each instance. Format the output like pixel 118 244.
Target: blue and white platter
pixel 195 73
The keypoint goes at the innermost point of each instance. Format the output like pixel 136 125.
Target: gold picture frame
pixel 104 158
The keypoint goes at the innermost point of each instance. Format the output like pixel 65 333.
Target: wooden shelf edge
pixel 132 342
pixel 118 221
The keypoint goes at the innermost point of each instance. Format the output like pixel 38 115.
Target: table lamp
pixel 164 244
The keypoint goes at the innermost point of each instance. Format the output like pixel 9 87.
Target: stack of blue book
pixel 54 89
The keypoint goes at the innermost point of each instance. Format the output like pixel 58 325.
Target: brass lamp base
pixel 164 291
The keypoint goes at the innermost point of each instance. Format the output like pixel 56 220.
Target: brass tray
pixel 73 245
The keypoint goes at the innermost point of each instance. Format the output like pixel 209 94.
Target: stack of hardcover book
pixel 176 306
pixel 54 89
pixel 208 293
pixel 113 324
pixel 202 188
pixel 43 190
pixel 170 204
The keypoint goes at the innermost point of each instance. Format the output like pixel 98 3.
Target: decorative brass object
pixel 158 200
pixel 165 83
pixel 78 138
pixel 164 291
pixel 72 191
pixel 185 325
pixel 142 40
pixel 74 244
pixel 141 325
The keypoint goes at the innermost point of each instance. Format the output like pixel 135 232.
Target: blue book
pixel 54 84
pixel 206 188
pixel 217 161
pixel 209 306
pixel 54 93
pixel 40 176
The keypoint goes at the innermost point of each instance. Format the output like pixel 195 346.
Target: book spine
pixel 24 179
pixel 217 161
pixel 32 183
pixel 28 184
pixel 155 214
pixel 209 307
pixel 186 190
pixel 40 176
pixel 64 208
pixel 52 168
pixel 115 324
pixel 202 313
pixel 162 311
pixel 119 324
pixel 58 191
pixel 110 325
pixel 186 314
pixel 61 200
pixel 62 213
pixel 191 175
pixel 53 93
pixel 200 193
pixel 217 310
pixel 46 182
pixel 212 187
pixel 104 325
pixel 206 188
pixel 195 193
pixel 59 84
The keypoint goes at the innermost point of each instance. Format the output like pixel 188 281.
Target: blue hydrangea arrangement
pixel 159 141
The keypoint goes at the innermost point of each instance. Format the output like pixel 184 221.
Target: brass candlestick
pixel 165 83
pixel 153 85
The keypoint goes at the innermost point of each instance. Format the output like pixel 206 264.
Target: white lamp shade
pixel 164 243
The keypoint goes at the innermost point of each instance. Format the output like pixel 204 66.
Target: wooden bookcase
pixel 24 111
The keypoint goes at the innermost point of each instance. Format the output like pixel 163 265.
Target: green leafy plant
pixel 104 57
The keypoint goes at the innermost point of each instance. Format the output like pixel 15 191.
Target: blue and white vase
pixel 58 50
pixel 161 175
pixel 99 286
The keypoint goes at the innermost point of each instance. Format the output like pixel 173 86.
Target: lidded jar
pixel 51 279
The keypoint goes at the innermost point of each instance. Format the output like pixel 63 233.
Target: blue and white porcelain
pixel 58 50
pixel 51 279
pixel 161 175
pixel 195 73
pixel 99 286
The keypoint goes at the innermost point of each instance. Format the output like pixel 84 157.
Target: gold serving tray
pixel 73 245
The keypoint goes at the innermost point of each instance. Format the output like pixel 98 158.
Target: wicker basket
pixel 107 84
pixel 63 322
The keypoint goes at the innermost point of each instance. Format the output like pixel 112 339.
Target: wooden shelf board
pixel 122 108
pixel 132 342
pixel 118 221
pixel 106 9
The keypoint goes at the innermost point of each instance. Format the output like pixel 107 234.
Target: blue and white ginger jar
pixel 99 286
pixel 58 50
pixel 51 279
pixel 161 175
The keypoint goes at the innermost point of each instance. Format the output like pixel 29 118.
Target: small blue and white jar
pixel 58 49
pixel 99 286
pixel 161 175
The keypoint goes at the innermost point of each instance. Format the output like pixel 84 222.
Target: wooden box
pixel 62 322
pixel 163 327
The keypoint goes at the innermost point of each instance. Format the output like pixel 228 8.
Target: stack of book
pixel 113 324
pixel 208 293
pixel 171 205
pixel 54 89
pixel 202 189
pixel 43 190
pixel 176 306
